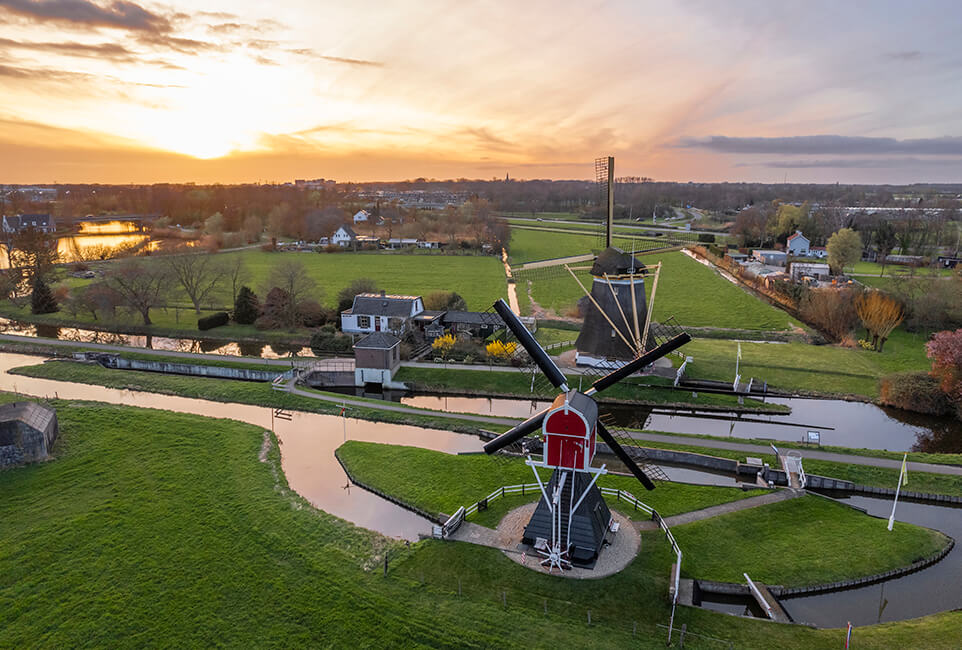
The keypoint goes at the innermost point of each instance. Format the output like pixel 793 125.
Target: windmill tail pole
pixel 633 366
pixel 623 456
pixel 530 425
pixel 531 346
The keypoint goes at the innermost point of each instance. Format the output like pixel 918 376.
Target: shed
pixel 770 257
pixel 377 357
pixel 477 324
pixel 818 271
pixel 27 432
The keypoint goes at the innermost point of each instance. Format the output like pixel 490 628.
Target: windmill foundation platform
pixel 624 546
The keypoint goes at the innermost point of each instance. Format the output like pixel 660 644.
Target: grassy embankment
pixel 155 528
pixel 814 368
pixel 646 390
pixel 438 482
pixel 762 541
pixel 480 280
pixel 260 394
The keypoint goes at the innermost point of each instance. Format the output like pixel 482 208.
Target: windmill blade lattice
pixel 624 438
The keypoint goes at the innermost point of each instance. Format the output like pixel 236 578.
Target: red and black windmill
pixel 571 520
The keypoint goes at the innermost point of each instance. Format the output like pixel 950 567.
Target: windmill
pixel 571 520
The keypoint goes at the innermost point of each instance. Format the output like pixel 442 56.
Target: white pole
pixel 898 488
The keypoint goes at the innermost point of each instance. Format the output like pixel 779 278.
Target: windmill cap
pixel 614 261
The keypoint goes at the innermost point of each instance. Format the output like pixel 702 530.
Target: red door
pixel 572 453
pixel 377 323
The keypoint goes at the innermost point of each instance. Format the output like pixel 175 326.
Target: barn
pixel 27 432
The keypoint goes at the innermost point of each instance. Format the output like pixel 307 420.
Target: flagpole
pixel 898 488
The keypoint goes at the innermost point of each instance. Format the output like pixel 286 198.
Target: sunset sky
pixel 118 92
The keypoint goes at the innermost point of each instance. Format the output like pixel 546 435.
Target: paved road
pixel 814 454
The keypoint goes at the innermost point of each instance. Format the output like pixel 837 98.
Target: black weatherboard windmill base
pixel 572 519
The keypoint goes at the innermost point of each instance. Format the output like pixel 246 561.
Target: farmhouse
pixel 361 216
pixel 344 236
pixel 797 244
pixel 27 432
pixel 372 312
pixel 19 223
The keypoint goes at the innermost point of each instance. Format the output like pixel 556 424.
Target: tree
pixel 214 225
pixel 844 249
pixel 830 310
pixel 292 278
pixel 945 351
pixel 345 297
pixel 140 286
pixel 246 307
pixel 198 274
pixel 33 251
pixel 880 314
pixel 41 299
pixel 252 229
pixel 237 275
pixel 97 299
pixel 885 240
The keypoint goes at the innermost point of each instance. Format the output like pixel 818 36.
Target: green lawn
pixel 817 368
pixel 691 292
pixel 647 390
pixel 480 280
pixel 439 482
pixel 766 543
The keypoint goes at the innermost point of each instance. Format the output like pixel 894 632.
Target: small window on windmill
pixel 612 332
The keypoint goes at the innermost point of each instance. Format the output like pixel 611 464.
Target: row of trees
pixel 837 312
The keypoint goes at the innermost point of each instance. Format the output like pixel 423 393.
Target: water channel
pixel 840 423
pixel 308 442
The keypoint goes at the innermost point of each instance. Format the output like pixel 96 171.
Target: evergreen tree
pixel 247 307
pixel 42 300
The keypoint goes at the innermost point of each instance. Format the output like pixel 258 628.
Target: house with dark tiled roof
pixel 344 236
pixel 380 312
pixel 20 222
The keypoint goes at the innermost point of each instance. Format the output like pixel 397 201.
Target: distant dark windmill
pixel 571 520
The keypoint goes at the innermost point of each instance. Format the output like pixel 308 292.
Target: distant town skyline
pixel 128 91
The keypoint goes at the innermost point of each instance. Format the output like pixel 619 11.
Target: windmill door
pixel 572 453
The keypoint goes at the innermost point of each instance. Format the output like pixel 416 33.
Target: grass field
pixel 653 390
pixel 691 292
pixel 817 368
pixel 439 482
pixel 480 280
pixel 152 528
pixel 764 543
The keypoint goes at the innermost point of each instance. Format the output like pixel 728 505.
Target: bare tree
pixel 33 251
pixel 237 274
pixel 292 277
pixel 199 275
pixel 142 287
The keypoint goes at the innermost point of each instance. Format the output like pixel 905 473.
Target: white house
pixel 373 312
pixel 797 244
pixel 343 236
pixel 361 216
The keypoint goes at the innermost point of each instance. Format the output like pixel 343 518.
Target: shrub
pixel 267 322
pixel 500 351
pixel 443 344
pixel 329 341
pixel 212 321
pixel 247 307
pixel 42 300
pixel 345 297
pixel 832 311
pixel 311 314
pixel 914 391
pixel 706 238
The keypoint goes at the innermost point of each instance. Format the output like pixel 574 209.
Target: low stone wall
pixel 10 455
